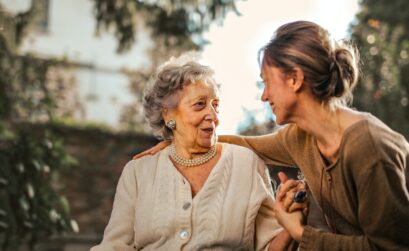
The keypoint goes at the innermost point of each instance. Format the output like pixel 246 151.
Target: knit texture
pixel 232 211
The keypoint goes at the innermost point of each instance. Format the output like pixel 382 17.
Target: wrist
pixel 298 232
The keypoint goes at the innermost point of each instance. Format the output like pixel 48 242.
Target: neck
pixel 190 150
pixel 192 162
pixel 322 123
pixel 325 125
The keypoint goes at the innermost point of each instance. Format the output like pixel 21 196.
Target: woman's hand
pixel 292 222
pixel 286 194
pixel 153 150
pixel 288 212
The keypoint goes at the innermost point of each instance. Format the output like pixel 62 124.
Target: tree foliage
pixel 382 36
pixel 176 22
pixel 31 206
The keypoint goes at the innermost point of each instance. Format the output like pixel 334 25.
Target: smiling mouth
pixel 208 130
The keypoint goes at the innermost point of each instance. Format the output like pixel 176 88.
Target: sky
pixel 234 47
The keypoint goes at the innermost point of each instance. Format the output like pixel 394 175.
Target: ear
pixel 297 79
pixel 166 114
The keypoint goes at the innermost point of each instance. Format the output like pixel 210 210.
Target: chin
pixel 208 142
pixel 280 121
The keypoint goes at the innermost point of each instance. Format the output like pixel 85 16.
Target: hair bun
pixel 344 74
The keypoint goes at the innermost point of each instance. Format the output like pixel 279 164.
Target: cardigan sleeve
pixel 119 233
pixel 383 214
pixel 266 225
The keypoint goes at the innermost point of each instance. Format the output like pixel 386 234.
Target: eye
pixel 216 106
pixel 200 104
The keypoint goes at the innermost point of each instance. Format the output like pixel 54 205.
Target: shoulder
pixel 241 153
pixel 243 159
pixel 236 149
pixel 294 139
pixel 145 160
pixel 390 145
pixel 381 137
pixel 295 134
pixel 374 141
pixel 145 165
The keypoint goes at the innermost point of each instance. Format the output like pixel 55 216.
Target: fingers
pixel 287 199
pixel 164 144
pixel 285 187
pixel 286 194
pixel 298 207
pixel 290 221
pixel 305 211
pixel 290 205
pixel 278 207
pixel 282 176
pixel 302 185
pixel 153 150
pixel 140 155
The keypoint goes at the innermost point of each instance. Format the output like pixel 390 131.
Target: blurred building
pixel 66 29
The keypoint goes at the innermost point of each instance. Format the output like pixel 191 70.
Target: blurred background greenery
pixel 39 138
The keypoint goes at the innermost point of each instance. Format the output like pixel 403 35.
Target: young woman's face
pixel 278 93
pixel 196 115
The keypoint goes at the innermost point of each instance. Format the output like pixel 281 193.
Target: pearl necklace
pixel 192 162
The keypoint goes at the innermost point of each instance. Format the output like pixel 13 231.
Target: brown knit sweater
pixel 363 195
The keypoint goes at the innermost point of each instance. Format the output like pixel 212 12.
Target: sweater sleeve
pixel 266 225
pixel 383 215
pixel 270 147
pixel 119 233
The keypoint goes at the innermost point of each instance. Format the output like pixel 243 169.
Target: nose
pixel 212 115
pixel 264 96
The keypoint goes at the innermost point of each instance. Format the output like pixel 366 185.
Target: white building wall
pixel 71 35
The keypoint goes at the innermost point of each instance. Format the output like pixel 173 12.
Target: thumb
pixel 283 177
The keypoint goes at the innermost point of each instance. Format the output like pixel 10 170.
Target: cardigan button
pixel 186 206
pixel 184 234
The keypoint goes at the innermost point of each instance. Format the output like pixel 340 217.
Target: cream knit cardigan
pixel 154 209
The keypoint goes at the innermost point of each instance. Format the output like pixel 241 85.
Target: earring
pixel 171 124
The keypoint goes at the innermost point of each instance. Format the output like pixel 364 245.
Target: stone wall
pixel 90 186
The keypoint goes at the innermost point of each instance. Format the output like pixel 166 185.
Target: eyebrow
pixel 201 97
pixel 194 99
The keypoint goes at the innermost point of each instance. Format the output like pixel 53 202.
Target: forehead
pixel 200 88
pixel 265 69
pixel 270 71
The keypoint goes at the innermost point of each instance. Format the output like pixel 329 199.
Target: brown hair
pixel 330 68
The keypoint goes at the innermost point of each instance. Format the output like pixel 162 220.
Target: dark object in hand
pixel 300 196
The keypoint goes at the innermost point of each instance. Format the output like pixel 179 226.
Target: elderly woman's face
pixel 196 115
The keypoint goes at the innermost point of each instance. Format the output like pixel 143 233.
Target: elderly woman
pixel 196 194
